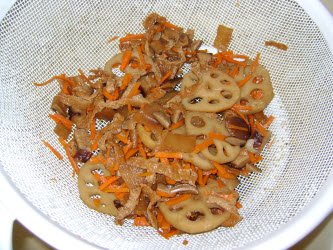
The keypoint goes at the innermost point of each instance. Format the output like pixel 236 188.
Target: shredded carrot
pixel 123 136
pixel 247 78
pixel 177 124
pixel 109 181
pixel 217 136
pixel 174 155
pixel 171 26
pixel 240 115
pixel 261 129
pixel 162 222
pixel 58 118
pixel 200 178
pixel 254 158
pixel 201 146
pixel 169 234
pixel 120 196
pixel 231 126
pixel 178 199
pixel 98 159
pixel 53 150
pixel 187 165
pixel 220 183
pixel 126 59
pixel 58 77
pixel 131 152
pixel 164 194
pixel 222 172
pixel 242 107
pixel 69 156
pixel 117 190
pixel 141 221
pixel 143 64
pixel 163 160
pixel 169 180
pixel 252 125
pixel 269 121
pixel 142 151
pixel 238 205
pixel 255 63
pixel 126 80
pixel 83 76
pixel 111 97
pixel 130 37
pixel 94 145
pixel 205 179
pixel 113 39
pixel 127 147
pixel 135 90
pixel 97 202
pixel 234 71
pixel 165 77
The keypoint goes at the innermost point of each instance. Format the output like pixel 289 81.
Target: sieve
pixel 292 195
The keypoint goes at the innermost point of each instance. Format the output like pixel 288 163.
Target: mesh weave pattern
pixel 39 39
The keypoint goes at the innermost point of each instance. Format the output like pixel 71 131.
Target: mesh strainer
pixel 42 38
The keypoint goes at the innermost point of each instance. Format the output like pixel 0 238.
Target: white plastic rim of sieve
pixel 302 224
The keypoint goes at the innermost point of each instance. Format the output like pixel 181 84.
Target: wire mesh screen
pixel 39 39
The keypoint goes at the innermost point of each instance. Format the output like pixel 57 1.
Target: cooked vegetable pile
pixel 155 144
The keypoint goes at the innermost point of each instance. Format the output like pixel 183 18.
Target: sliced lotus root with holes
pixel 195 215
pixel 220 151
pixel 216 92
pixel 258 91
pixel 198 160
pixel 89 190
pixel 149 139
pixel 199 123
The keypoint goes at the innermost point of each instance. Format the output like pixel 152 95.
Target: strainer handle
pixel 6 228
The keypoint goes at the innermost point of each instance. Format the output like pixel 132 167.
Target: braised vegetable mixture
pixel 151 142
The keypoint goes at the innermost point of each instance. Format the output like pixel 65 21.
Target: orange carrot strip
pixel 126 59
pixel 252 125
pixel 142 151
pixel 126 80
pixel 141 221
pixel 97 159
pixel 240 115
pixel 254 158
pixel 120 196
pixel 162 222
pixel 241 83
pixel 109 181
pixel 112 97
pixel 220 183
pixel 58 118
pixel 187 165
pixel 170 25
pixel 242 107
pixel 143 64
pixel 237 127
pixel 200 178
pixel 83 76
pixel 131 152
pixel 201 146
pixel 177 124
pixel 123 138
pixel 93 128
pixel 261 129
pixel 113 39
pixel 164 194
pixel 135 90
pixel 269 121
pixel 222 172
pixel 175 155
pixel 169 234
pixel 169 180
pixel 117 190
pixel 58 77
pixel 205 179
pixel 53 150
pixel 165 77
pixel 217 136
pixel 68 153
pixel 127 147
pixel 94 145
pixel 255 63
pixel 238 205
pixel 178 199
pixel 129 37
pixel 234 71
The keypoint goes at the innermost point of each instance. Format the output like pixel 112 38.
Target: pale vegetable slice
pixel 149 139
pixel 89 189
pixel 220 151
pixel 260 83
pixel 216 92
pixel 200 123
pixel 198 160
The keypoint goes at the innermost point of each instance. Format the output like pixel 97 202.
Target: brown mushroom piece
pixel 236 126
pixel 180 188
pixel 89 190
